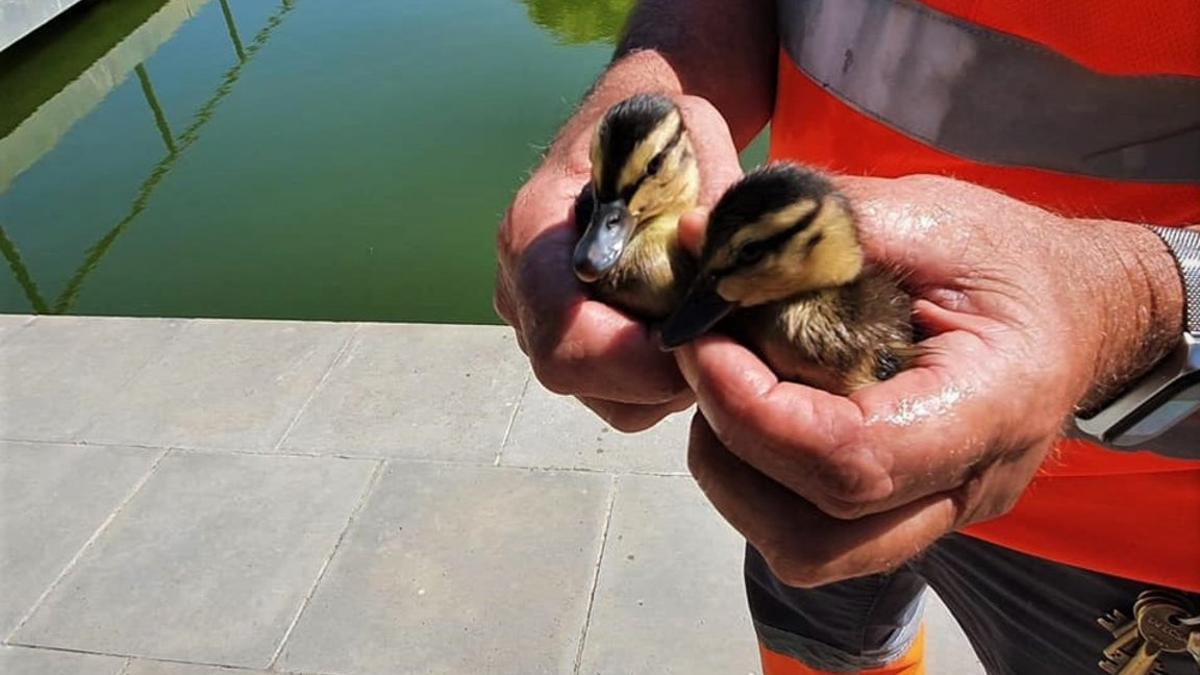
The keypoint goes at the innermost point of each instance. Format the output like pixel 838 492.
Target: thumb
pixel 691 231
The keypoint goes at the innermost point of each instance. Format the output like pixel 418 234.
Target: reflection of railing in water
pixel 48 89
pixel 160 119
pixel 175 148
pixel 22 274
pixel 233 34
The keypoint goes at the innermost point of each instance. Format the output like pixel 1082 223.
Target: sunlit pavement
pixel 184 497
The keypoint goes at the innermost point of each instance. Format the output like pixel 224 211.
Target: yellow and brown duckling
pixel 782 247
pixel 644 177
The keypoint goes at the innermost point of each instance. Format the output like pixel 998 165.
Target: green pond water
pixel 301 159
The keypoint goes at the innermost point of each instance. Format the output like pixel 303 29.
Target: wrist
pixel 1139 296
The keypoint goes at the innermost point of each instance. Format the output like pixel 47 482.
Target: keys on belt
pixel 1163 622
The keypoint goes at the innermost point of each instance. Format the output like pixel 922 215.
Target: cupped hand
pixel 1026 313
pixel 577 345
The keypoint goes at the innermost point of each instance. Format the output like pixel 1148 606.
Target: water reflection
pixel 580 21
pixel 175 145
pixel 44 63
pixel 354 171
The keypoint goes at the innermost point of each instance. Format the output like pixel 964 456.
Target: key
pixel 1115 622
pixel 1161 626
pixel 1126 642
pixel 1113 669
pixel 1158 624
pixel 1142 661
pixel 1166 597
pixel 1193 646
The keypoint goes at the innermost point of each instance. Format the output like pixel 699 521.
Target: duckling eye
pixel 751 252
pixel 654 165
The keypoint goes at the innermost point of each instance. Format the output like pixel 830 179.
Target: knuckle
pixel 558 366
pixel 505 239
pixel 842 510
pixel 851 480
pixel 551 376
pixel 502 305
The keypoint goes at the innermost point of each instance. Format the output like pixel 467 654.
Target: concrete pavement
pixel 212 497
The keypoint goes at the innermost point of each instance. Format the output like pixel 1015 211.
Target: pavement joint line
pixel 587 619
pixel 550 468
pixel 368 490
pixel 70 566
pixel 125 666
pixel 396 460
pixel 285 455
pixel 76 443
pixel 130 658
pixel 512 419
pixel 333 363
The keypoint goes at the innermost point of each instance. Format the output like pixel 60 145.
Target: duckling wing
pixel 840 339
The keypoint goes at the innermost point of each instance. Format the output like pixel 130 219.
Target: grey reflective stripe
pixel 993 97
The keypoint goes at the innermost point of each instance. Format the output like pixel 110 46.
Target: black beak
pixel 700 310
pixel 602 243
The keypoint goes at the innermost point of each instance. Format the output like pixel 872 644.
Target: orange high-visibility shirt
pixel 1089 108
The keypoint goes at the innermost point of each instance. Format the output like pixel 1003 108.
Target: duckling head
pixel 643 167
pixel 780 232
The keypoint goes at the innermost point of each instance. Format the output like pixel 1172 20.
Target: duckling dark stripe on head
pixel 749 251
pixel 622 131
pixel 814 240
pixel 777 239
pixel 653 166
pixel 761 194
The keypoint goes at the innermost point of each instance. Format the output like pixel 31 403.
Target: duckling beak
pixel 700 310
pixel 602 243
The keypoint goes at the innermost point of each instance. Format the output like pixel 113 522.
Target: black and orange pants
pixel 1023 615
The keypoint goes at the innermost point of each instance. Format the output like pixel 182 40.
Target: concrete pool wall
pixel 41 132
pixel 19 18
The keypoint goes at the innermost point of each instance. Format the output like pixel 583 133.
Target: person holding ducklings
pixel 994 168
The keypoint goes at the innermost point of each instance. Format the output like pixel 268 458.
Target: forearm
pixel 722 51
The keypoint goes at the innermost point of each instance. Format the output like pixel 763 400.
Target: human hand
pixel 577 345
pixel 1028 314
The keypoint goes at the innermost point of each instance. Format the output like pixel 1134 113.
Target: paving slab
pixel 558 431
pixel 24 661
pixel 11 323
pixel 58 372
pixel 208 563
pixel 947 649
pixel 424 392
pixel 670 597
pixel 223 385
pixel 52 499
pixel 458 569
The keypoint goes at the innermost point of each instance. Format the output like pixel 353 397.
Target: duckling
pixel 644 177
pixel 782 245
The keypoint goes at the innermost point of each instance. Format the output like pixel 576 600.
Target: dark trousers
pixel 1023 615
